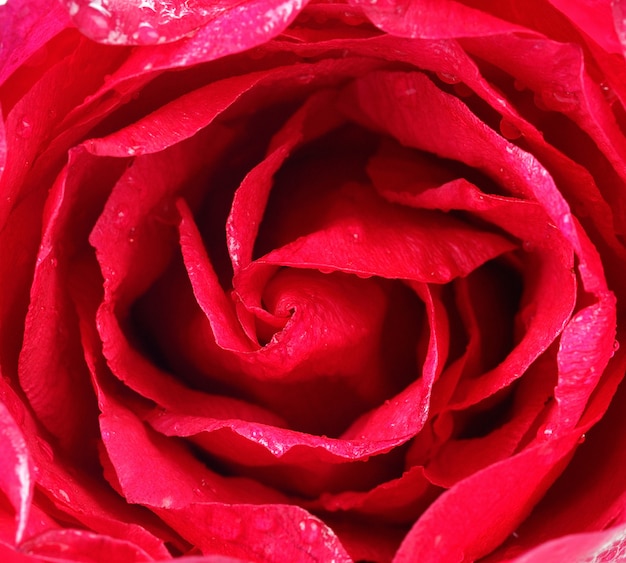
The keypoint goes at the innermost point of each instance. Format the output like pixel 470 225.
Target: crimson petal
pixel 146 22
pixel 16 478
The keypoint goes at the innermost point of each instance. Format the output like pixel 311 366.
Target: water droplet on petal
pixel 92 18
pixel 509 130
pixel 141 22
pixel 310 530
pixel 363 275
pixel 448 77
pixel 146 35
pixel 609 94
pixel 264 522
pixel 24 128
pixel 560 100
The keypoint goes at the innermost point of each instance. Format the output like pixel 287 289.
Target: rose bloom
pixel 332 282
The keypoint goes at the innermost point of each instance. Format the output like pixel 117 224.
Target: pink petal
pixel 16 478
pixel 82 546
pixel 588 496
pixel 25 29
pixel 432 19
pixel 557 73
pixel 594 19
pixel 430 247
pixel 315 118
pixel 606 545
pixel 495 500
pixel 117 22
pixel 11 555
pixel 401 500
pixel 201 497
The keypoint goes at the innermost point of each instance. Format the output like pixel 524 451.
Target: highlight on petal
pixel 25 29
pixel 82 545
pixel 606 545
pixel 432 19
pixel 16 480
pixel 149 22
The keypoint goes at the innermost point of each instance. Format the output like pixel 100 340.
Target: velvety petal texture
pixel 312 281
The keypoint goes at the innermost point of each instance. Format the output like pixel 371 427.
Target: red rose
pixel 326 282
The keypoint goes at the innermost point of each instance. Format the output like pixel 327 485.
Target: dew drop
pixel 560 100
pixel 264 522
pixel 519 85
pixel 527 246
pixel 363 275
pixel 326 270
pixel 146 34
pixel 509 130
pixel 609 94
pixel 448 77
pixel 94 20
pixel 310 530
pixel 24 128
pixel 63 494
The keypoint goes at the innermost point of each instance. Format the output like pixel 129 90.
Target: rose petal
pixel 594 19
pixel 428 247
pixel 147 22
pixel 401 500
pixel 12 555
pixel 315 118
pixel 79 498
pixel 605 545
pixel 432 19
pixel 203 498
pixel 550 255
pixel 26 29
pixel 83 546
pixel 558 75
pixel 507 491
pixel 588 496
pixel 16 478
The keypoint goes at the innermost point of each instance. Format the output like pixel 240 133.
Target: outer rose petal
pixel 433 19
pixel 606 545
pixel 146 22
pixel 15 469
pixel 25 29
pixel 82 546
